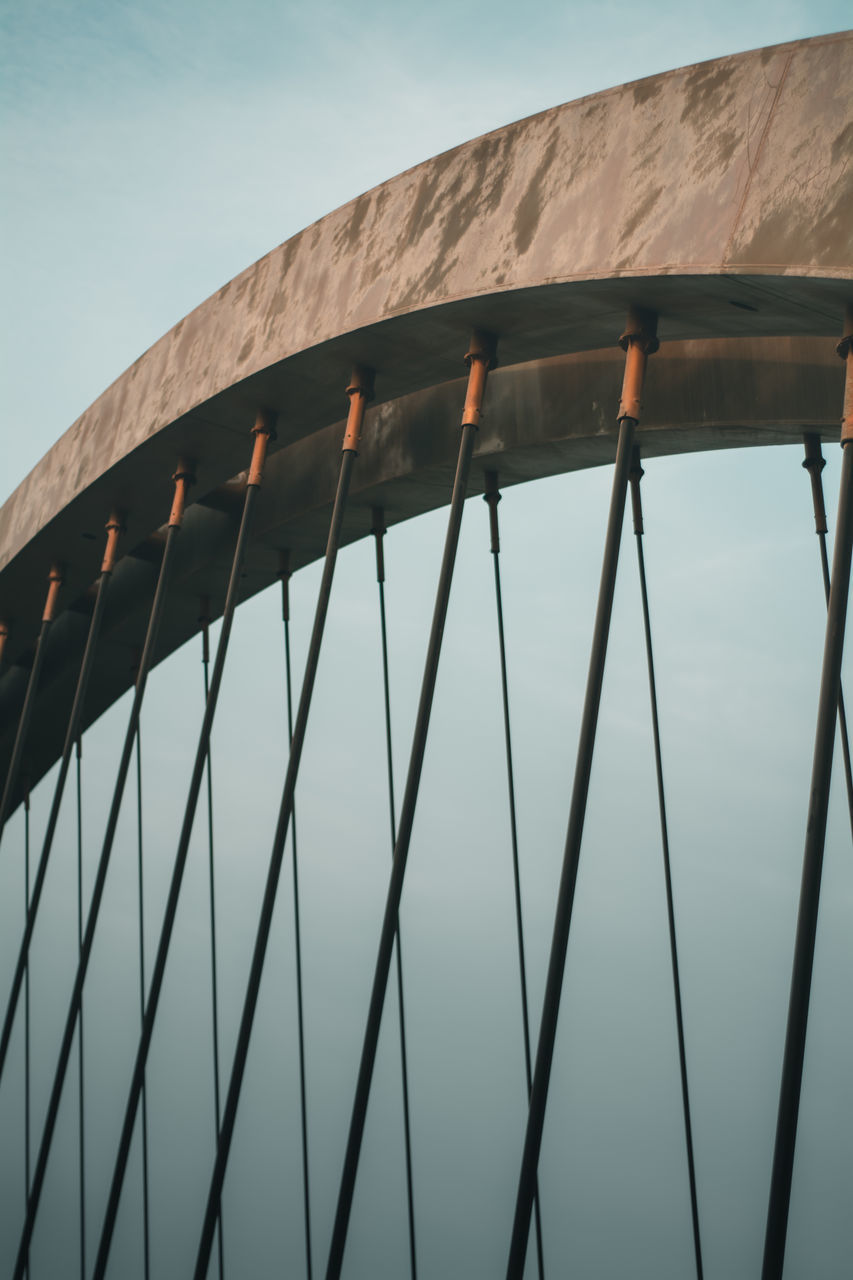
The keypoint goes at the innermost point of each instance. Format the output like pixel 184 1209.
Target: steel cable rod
pixel 804 945
pixel 480 359
pixel 378 531
pixel 284 574
pixel 140 899
pixel 360 390
pixel 814 463
pixel 492 497
pixel 214 989
pixel 636 501
pixel 71 736
pixel 27 1071
pixel 262 432
pixel 182 480
pixel 48 615
pixel 81 1079
pixel 638 342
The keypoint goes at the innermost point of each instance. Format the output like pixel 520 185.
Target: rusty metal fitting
pixel 54 579
pixel 480 358
pixel 114 528
pixel 492 497
pixel 183 478
pixel 845 351
pixel 639 341
pixel 264 432
pixel 360 391
pixel 635 475
pixel 814 463
pixel 4 636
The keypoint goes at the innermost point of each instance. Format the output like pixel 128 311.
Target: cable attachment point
pixel 4 636
pixel 492 497
pixel 284 572
pixel 360 392
pixel 378 529
pixel 814 463
pixel 635 475
pixel 639 341
pixel 845 351
pixel 264 432
pixel 54 579
pixel 114 528
pixel 184 476
pixel 480 358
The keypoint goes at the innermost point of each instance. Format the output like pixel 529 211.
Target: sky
pixel 149 153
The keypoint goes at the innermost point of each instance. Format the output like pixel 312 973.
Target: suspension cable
pixel 492 497
pixel 285 574
pixel 360 390
pixel 378 530
pixel 262 432
pixel 71 735
pixel 205 662
pixel 47 617
pixel 182 480
pixel 804 945
pixel 638 342
pixel 814 463
pixel 27 1071
pixel 636 476
pixel 140 898
pixel 480 359
pixel 81 1078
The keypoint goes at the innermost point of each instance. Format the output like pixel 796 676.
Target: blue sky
pixel 150 152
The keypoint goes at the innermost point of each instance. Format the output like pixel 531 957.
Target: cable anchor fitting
pixel 54 579
pixel 639 341
pixel 360 392
pixel 492 497
pixel 264 432
pixel 284 575
pixel 184 476
pixel 114 528
pixel 814 463
pixel 480 358
pixel 378 528
pixel 635 475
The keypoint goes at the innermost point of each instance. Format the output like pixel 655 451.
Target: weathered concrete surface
pixel 725 183
pixel 541 419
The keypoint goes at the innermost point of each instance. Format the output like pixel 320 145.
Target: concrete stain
pixel 529 209
pixel 707 89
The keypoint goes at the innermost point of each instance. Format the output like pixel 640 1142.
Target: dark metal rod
pixel 205 661
pixel 55 580
pixel 571 857
pixel 81 1078
pixel 798 1007
pixel 140 883
pixel 276 856
pixel 814 464
pixel 71 735
pixel 262 435
pixel 636 475
pixel 182 480
pixel 378 534
pixel 297 938
pixel 480 362
pixel 492 497
pixel 27 1071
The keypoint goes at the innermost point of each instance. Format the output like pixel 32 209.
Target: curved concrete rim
pixel 717 195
